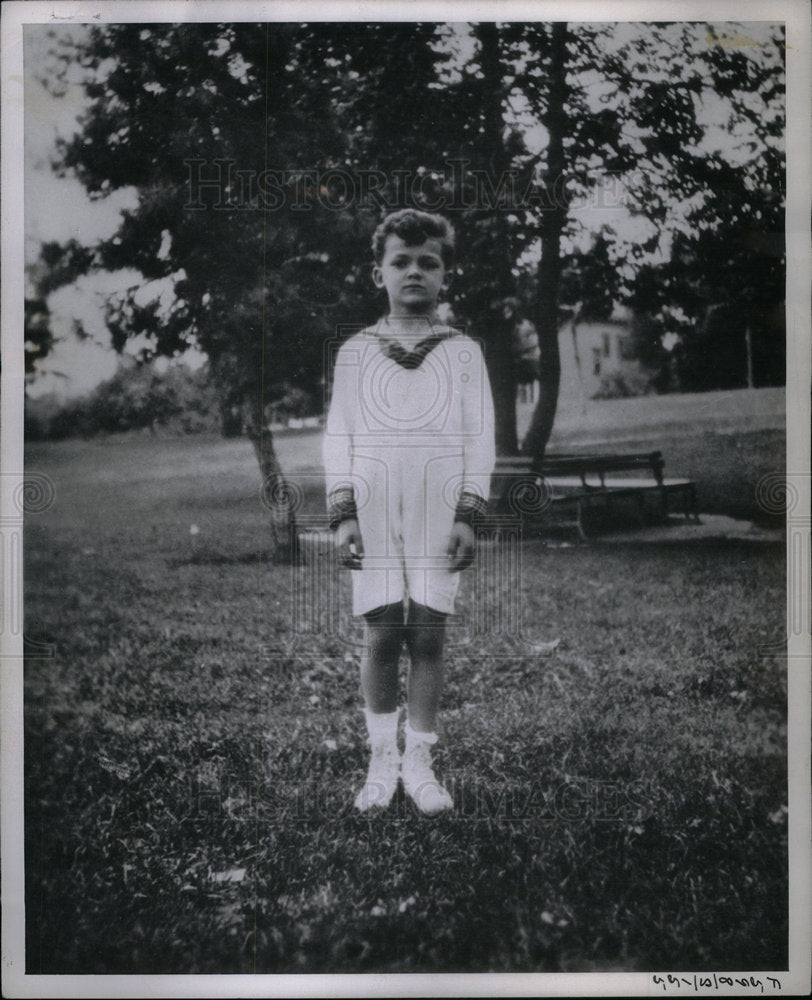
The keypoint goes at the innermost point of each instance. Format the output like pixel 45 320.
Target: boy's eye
pixel 427 263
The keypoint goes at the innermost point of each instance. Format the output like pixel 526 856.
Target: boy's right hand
pixel 350 544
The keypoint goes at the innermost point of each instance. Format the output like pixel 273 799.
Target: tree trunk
pixel 497 342
pixel 748 343
pixel 553 219
pixel 277 495
pixel 496 330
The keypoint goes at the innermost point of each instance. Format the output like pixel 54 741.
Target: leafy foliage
pixel 179 102
pixel 638 108
pixel 135 398
pixel 38 336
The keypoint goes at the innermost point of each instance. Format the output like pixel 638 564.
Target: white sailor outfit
pixel 408 449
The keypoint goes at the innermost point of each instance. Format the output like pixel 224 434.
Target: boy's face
pixel 411 275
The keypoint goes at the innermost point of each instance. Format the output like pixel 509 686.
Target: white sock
pixel 384 762
pixel 382 727
pixel 419 780
pixel 413 736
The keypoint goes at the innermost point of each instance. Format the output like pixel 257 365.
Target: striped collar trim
pixel 396 352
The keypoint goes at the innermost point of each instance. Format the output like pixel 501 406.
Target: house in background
pixel 595 353
pixel 596 358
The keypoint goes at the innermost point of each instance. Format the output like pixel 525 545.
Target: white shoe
pixel 382 778
pixel 420 782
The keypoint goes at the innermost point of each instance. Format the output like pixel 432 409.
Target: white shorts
pixel 374 587
pixel 406 503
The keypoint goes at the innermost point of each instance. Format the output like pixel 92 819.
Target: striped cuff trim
pixel 471 508
pixel 341 506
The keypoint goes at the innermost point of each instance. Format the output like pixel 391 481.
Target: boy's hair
pixel 414 227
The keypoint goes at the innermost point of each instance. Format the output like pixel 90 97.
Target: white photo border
pixel 17 13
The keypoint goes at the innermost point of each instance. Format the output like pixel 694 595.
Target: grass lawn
pixel 190 762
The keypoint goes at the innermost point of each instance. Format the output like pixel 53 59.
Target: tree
pixel 38 336
pixel 488 288
pixel 721 299
pixel 212 124
pixel 431 133
pixel 626 101
pixel 552 220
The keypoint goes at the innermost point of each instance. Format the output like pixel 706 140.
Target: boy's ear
pixel 377 276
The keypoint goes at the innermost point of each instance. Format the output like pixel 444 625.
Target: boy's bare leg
pixel 425 633
pixel 383 630
pixel 384 634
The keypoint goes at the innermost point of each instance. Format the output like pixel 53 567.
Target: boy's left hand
pixel 460 549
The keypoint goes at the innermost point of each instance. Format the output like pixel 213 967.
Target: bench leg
pixel 664 503
pixel 579 524
pixel 689 502
pixel 694 504
pixel 641 509
pixel 689 506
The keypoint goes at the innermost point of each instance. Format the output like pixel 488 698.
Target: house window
pixel 596 361
pixel 607 346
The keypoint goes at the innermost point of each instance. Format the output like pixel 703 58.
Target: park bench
pixel 571 484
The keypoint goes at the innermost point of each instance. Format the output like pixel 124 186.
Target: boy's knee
pixel 425 630
pixel 384 628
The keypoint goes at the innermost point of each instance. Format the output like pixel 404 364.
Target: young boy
pixel 408 455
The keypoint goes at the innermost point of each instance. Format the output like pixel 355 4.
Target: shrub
pixel 178 399
pixel 623 384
